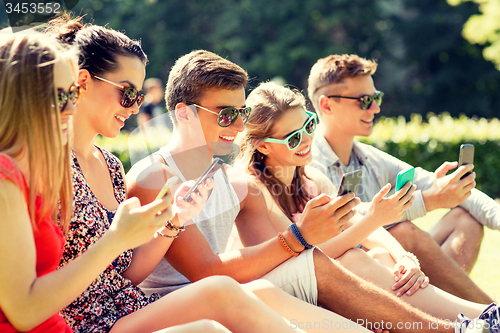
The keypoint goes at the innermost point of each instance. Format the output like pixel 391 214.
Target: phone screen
pixel 209 172
pixel 350 182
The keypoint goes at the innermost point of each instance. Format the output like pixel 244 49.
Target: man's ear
pixel 84 78
pixel 324 104
pixel 184 112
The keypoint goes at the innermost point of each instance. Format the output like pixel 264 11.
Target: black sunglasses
pixel 365 100
pixel 228 116
pixel 73 95
pixel 130 95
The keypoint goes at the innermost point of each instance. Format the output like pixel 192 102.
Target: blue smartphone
pixel 403 177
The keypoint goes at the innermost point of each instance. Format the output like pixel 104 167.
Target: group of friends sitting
pixel 263 245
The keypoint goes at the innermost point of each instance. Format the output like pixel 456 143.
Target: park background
pixel 438 67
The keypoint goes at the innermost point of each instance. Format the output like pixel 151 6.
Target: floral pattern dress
pixel 110 296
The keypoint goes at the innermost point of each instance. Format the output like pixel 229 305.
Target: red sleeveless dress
pixel 49 242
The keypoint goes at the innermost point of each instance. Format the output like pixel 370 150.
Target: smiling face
pixel 278 154
pixel 100 102
pixel 64 79
pixel 220 139
pixel 346 118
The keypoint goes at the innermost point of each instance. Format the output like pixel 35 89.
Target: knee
pixel 357 261
pixel 410 236
pixel 210 326
pixel 466 223
pixel 221 289
pixel 379 254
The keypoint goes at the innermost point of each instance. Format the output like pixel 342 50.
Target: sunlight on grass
pixel 486 272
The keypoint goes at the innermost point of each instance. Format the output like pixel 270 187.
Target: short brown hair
pixel 198 71
pixel 334 69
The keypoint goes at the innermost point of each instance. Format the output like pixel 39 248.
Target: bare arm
pixel 147 256
pixel 26 300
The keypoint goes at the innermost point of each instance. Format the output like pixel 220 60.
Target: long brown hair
pixel 31 121
pixel 270 102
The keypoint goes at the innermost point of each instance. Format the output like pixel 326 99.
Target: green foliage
pixel 424 63
pixel 484 28
pixel 430 143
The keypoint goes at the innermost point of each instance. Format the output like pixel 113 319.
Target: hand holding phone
pixel 164 190
pixel 209 172
pixel 350 182
pixel 403 177
pixel 466 156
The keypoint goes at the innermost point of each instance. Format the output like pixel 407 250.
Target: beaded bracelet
pixel 285 245
pixel 172 227
pixel 159 233
pixel 298 236
pixel 412 257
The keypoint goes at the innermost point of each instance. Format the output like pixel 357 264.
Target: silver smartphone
pixel 209 172
pixel 466 156
pixel 350 182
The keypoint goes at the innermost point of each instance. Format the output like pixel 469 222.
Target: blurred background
pixel 438 61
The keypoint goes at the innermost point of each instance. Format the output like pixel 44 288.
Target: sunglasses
pixel 228 116
pixel 73 95
pixel 295 138
pixel 129 95
pixel 365 100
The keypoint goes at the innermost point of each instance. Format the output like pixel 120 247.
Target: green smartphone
pixel 403 177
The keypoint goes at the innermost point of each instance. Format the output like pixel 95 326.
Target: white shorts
pixel 296 276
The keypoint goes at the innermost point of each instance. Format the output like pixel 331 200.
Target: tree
pixel 484 28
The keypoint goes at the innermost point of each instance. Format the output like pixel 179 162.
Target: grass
pixel 486 272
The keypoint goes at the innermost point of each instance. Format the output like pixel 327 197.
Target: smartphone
pixel 403 177
pixel 164 190
pixel 350 182
pixel 466 156
pixel 209 172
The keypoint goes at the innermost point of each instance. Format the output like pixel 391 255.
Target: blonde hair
pixel 31 121
pixel 333 70
pixel 270 102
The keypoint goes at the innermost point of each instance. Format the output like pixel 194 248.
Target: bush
pixel 421 143
pixel 430 143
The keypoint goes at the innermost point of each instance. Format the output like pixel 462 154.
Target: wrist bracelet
pixel 285 245
pixel 298 236
pixel 297 242
pixel 172 227
pixel 412 257
pixel 159 233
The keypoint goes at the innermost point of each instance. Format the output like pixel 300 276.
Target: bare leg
pixel 352 297
pixel 459 236
pixel 431 300
pixel 204 325
pixel 442 271
pixel 217 298
pixel 301 314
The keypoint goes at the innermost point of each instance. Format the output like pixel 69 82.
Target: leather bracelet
pixel 298 236
pixel 159 233
pixel 285 245
pixel 172 227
